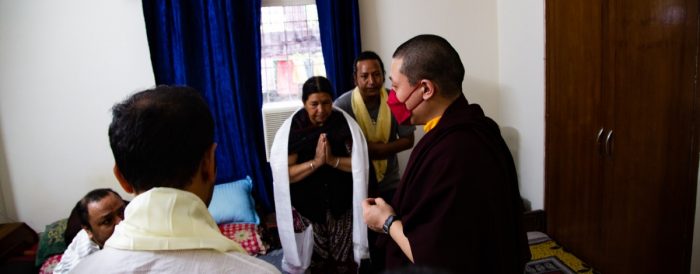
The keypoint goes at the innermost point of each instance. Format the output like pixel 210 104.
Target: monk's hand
pixel 375 212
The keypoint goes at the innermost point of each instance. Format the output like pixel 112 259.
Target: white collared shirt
pixel 79 248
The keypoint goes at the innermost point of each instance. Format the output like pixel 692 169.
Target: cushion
pixel 233 203
pixel 51 241
pixel 50 264
pixel 246 235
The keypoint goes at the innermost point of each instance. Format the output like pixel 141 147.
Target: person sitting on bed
pixel 457 206
pixel 98 211
pixel 162 140
pixel 319 173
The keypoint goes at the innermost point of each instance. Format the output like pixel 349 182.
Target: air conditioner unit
pixel 274 115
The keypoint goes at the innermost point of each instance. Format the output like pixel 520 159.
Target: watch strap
pixel 388 222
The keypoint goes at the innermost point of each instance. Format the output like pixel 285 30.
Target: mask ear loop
pixel 411 95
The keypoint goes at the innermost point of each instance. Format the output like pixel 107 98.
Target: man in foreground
pixel 163 145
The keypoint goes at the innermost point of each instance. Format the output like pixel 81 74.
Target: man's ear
pixel 428 89
pixel 125 185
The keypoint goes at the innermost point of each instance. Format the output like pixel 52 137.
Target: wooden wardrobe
pixel 622 104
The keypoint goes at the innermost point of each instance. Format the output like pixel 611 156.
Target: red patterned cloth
pixel 245 234
pixel 50 264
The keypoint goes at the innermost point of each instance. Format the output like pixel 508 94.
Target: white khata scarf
pixel 298 247
pixel 169 219
pixel 374 131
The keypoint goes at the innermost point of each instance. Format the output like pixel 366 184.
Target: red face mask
pixel 399 109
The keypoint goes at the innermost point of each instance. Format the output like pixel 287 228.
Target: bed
pixel 548 257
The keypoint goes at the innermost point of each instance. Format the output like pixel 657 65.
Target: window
pixel 290 48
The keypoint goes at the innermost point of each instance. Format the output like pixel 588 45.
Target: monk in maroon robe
pixel 457 207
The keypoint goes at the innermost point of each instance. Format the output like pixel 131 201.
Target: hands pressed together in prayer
pixel 324 154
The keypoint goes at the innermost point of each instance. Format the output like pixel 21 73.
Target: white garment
pixel 169 219
pixel 112 260
pixel 298 248
pixel 167 230
pixel 79 248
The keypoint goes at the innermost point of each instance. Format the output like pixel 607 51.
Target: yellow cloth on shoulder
pixel 169 219
pixel 431 124
pixel 374 131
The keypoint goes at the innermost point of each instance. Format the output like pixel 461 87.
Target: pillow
pixel 246 235
pixel 51 241
pixel 50 264
pixel 233 203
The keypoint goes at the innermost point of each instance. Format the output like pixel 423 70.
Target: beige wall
pixel 64 63
pixel 501 44
pixel 4 216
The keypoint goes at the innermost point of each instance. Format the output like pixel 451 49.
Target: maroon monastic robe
pixel 459 200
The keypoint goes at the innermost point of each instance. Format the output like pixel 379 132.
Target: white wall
pixel 501 44
pixel 521 74
pixel 64 64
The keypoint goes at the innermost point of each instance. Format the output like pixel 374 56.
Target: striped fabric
pixel 80 248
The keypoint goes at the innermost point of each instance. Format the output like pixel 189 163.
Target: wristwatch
pixel 388 222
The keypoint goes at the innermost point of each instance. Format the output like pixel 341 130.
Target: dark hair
pixel 316 84
pixel 159 136
pixel 92 196
pixel 431 57
pixel 368 55
pixel 79 216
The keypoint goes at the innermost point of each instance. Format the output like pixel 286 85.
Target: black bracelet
pixel 388 222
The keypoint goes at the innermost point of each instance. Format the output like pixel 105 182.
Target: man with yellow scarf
pixel 367 104
pixel 162 140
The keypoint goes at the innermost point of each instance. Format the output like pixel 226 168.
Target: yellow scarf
pixel 431 124
pixel 374 131
pixel 169 219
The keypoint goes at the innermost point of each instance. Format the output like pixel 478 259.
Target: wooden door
pixel 573 120
pixel 651 165
pixel 622 198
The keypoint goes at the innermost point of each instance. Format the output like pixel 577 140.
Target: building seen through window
pixel 290 49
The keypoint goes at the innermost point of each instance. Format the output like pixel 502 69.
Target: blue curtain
pixel 339 23
pixel 214 46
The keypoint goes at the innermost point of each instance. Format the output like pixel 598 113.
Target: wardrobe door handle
pixel 599 141
pixel 609 143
